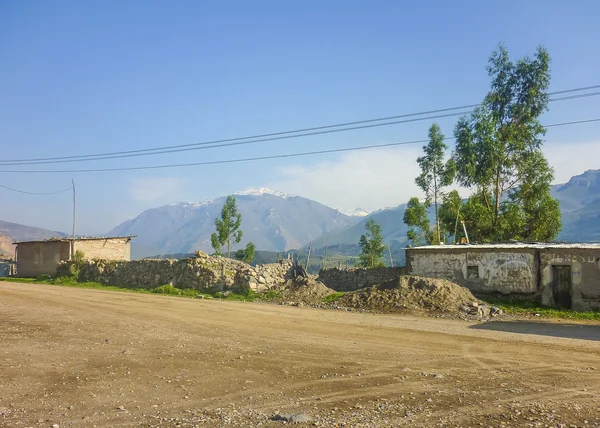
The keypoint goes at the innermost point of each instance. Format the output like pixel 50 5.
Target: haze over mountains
pixel 278 222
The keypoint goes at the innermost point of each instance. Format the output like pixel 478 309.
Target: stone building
pixel 36 258
pixel 562 275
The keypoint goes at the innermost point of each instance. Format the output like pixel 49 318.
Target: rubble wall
pixel 354 278
pixel 202 273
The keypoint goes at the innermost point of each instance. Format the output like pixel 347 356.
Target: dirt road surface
pixel 82 358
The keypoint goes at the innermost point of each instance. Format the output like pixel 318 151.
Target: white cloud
pixel 370 179
pixel 155 189
pixel 374 179
pixel 569 159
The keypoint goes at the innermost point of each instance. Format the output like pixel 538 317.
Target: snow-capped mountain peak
pixel 355 212
pixel 191 204
pixel 263 191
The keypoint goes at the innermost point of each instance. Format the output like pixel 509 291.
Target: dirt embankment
pixel 408 294
pixel 411 293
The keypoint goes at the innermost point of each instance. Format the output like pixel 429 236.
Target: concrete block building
pixel 36 258
pixel 561 275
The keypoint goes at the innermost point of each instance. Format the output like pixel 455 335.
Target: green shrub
pixel 44 277
pixel 333 297
pixel 167 289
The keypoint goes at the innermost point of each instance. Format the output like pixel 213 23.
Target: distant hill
pixel 272 220
pixel 6 247
pixel 19 232
pixel 580 207
pixel 10 232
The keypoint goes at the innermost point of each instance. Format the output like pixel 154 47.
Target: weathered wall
pixel 202 272
pixel 505 271
pixel 108 249
pixel 355 278
pixel 585 276
pixel 38 258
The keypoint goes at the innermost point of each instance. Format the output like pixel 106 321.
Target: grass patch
pixel 520 306
pixel 270 295
pixel 333 297
pixel 249 296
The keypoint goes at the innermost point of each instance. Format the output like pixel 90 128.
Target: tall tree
pixel 228 227
pixel 498 153
pixel 435 173
pixel 372 247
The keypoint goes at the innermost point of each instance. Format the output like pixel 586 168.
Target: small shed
pixel 562 275
pixel 34 258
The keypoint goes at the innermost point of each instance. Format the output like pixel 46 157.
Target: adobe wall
pixel 585 276
pixel 504 270
pixel 39 258
pixel 355 278
pixel 108 249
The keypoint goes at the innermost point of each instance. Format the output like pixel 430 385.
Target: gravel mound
pixel 411 293
pixel 306 290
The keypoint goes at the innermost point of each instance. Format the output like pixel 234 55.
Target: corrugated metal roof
pixel 516 245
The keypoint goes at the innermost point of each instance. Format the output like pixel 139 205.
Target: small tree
pixel 228 227
pixel 415 216
pixel 372 246
pixel 435 173
pixel 246 254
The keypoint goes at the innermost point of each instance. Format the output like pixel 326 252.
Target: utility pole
pixel 74 219
pixel 325 259
pixel 390 251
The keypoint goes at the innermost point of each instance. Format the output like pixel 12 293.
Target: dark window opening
pixel 472 272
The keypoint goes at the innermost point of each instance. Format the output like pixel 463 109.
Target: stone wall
pixel 202 273
pixel 354 278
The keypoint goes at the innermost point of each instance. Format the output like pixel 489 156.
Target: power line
pixel 240 143
pixel 280 135
pixel 35 193
pixel 252 159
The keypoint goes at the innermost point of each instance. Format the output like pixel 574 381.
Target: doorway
pixel 561 289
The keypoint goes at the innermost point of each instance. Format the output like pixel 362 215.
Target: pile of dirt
pixel 306 290
pixel 410 293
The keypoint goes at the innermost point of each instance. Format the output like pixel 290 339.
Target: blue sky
pixel 92 77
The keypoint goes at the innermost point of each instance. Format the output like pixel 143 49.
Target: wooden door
pixel 562 286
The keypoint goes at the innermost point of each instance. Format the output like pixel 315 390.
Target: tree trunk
pixel 228 249
pixel 435 199
pixel 498 190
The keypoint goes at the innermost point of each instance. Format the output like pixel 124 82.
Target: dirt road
pixel 76 357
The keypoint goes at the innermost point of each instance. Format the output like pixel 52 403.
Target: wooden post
pixel 465 229
pixel 456 225
pixel 74 219
pixel 308 256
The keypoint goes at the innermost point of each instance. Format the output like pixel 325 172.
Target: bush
pixel 167 289
pixel 173 291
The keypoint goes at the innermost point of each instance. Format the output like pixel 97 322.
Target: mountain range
pixel 277 223
pixel 272 220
